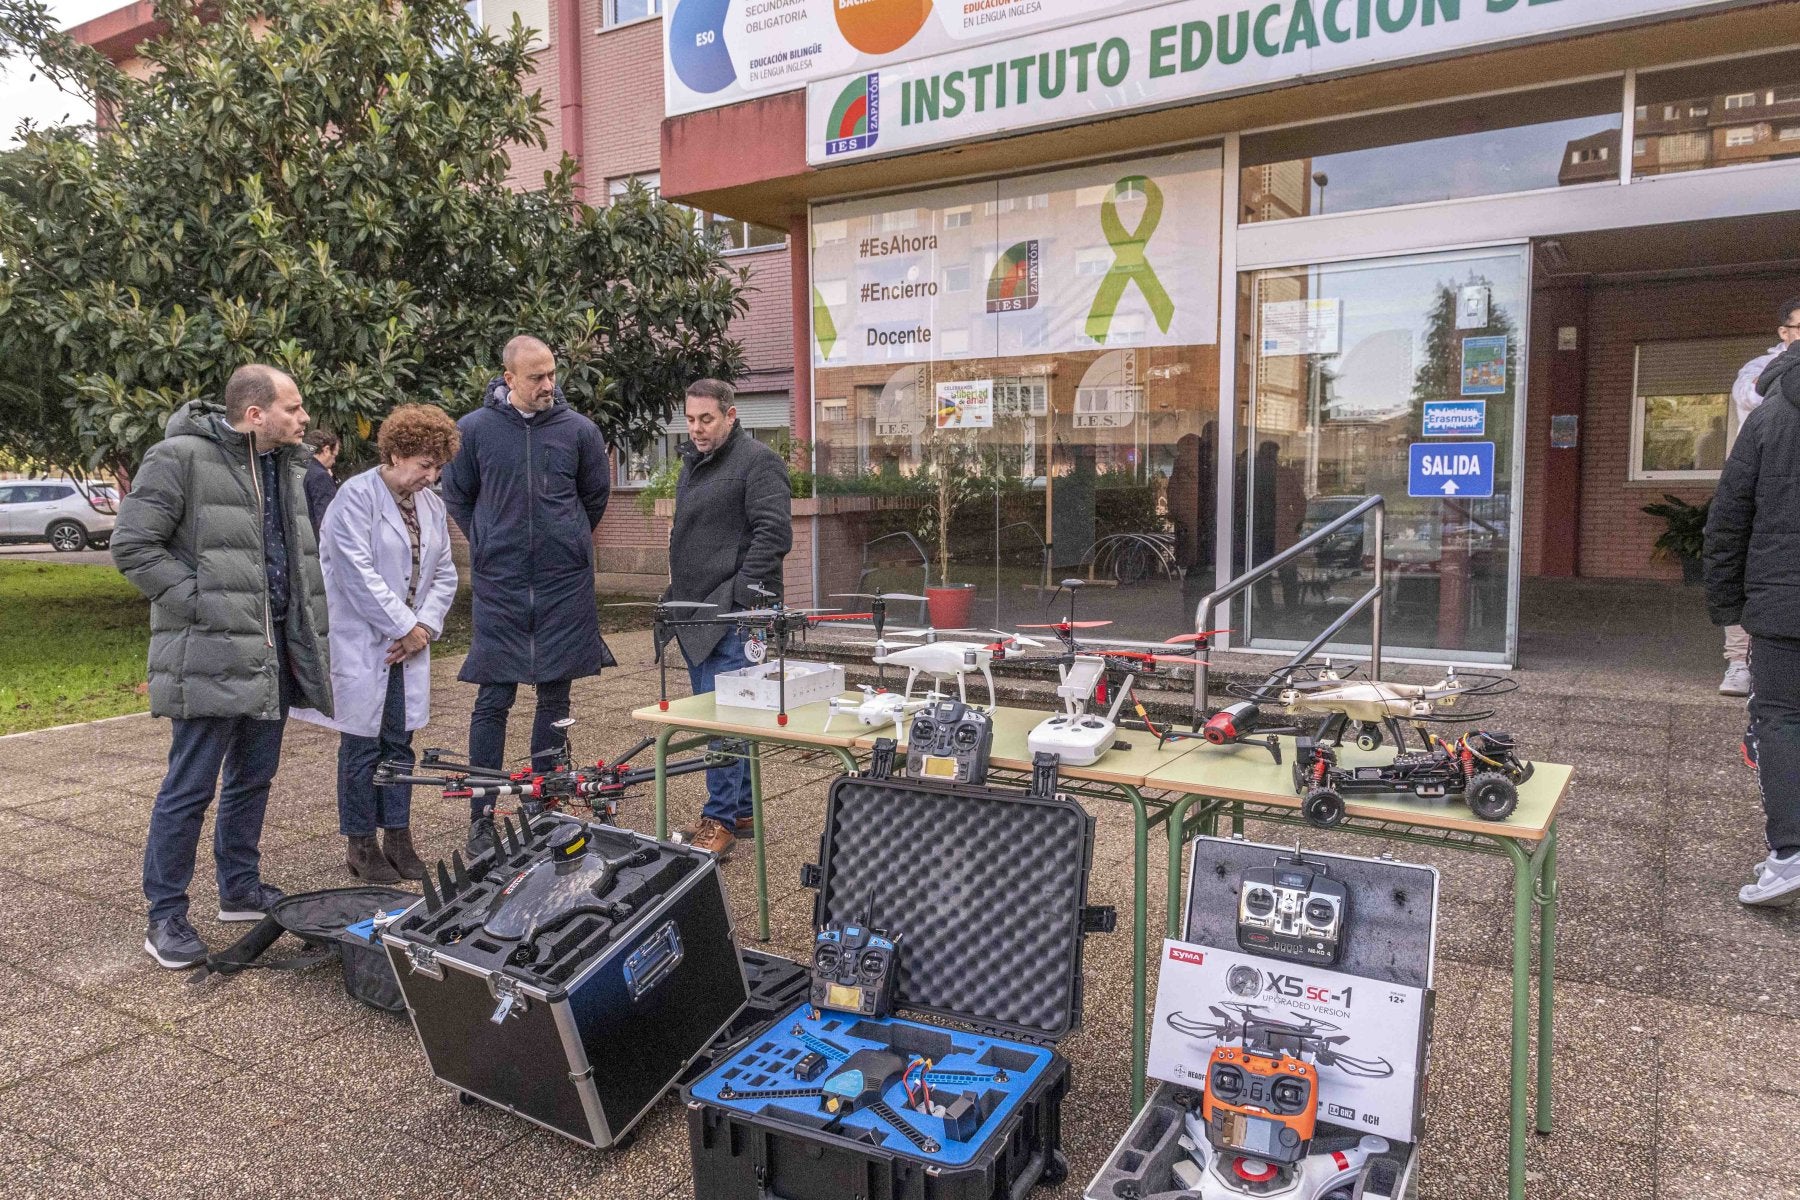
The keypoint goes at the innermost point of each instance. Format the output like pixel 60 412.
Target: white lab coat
pixel 1744 396
pixel 367 558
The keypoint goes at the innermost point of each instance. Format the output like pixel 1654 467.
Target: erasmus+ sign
pixel 1176 53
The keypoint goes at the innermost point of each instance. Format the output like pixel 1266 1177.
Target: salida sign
pixel 1449 470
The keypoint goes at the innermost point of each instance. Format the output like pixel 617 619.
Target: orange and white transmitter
pixel 1260 1105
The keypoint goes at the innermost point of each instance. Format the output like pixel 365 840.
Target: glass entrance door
pixel 1403 377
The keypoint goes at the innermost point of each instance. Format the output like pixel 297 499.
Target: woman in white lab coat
pixel 385 549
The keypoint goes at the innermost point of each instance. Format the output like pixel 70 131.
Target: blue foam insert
pixel 767 1064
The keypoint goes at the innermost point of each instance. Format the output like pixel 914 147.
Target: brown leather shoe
pixel 713 837
pixel 397 847
pixel 367 863
pixel 745 826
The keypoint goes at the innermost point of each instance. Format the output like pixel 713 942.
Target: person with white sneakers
pixel 1752 560
pixel 1744 399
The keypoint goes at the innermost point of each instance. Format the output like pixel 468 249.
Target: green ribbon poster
pixel 1129 263
pixel 824 328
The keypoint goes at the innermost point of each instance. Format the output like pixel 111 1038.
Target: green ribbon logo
pixel 1129 263
pixel 824 328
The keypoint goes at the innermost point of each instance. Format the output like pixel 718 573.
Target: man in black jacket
pixel 320 486
pixel 1753 580
pixel 527 488
pixel 733 526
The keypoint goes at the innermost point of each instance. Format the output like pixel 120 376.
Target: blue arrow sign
pixel 1450 470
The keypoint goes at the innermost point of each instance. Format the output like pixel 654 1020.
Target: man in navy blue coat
pixel 527 488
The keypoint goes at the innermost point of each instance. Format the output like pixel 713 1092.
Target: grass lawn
pixel 74 642
pixel 73 645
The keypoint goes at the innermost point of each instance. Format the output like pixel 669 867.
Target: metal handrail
pixel 1371 599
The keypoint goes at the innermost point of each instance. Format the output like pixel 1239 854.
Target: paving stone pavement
pixel 120 1079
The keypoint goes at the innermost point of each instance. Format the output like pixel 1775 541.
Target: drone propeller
pixel 875 596
pixel 754 613
pixel 1203 635
pixel 1067 625
pixel 659 604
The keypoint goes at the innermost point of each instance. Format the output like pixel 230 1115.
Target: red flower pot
pixel 950 607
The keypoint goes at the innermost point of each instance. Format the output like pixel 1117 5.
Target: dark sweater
pixel 733 526
pixel 1752 554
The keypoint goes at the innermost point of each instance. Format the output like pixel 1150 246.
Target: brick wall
pixel 622 100
pixel 1615 536
pixel 529 162
pixel 767 330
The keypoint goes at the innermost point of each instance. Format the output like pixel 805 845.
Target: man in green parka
pixel 215 532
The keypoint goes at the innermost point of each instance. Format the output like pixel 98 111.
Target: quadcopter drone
pixel 1483 767
pixel 864 1080
pixel 877 708
pixel 1309 1038
pixel 1373 711
pixel 555 786
pixel 948 656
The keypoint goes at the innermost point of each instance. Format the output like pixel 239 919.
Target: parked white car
pixel 67 514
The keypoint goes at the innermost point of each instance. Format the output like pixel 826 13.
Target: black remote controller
pixel 950 740
pixel 853 969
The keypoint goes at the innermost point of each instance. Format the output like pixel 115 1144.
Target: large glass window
pixel 1510 143
pixel 1365 378
pixel 1741 110
pixel 1023 374
pixel 1682 419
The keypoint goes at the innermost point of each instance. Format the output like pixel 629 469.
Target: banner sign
pixel 1164 55
pixel 719 52
pixel 1093 257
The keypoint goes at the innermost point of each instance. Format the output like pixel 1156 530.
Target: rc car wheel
pixel 1323 807
pixel 1492 796
pixel 67 536
pixel 1369 738
pixel 1302 776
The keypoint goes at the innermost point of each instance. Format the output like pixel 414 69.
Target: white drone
pixel 876 708
pixel 952 657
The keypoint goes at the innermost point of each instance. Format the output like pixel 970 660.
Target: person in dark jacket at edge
pixel 1752 560
pixel 733 526
pixel 527 489
pixel 214 531
pixel 320 485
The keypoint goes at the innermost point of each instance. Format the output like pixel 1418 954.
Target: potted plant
pixel 950 468
pixel 1684 533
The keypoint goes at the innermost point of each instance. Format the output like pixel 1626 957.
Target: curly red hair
pixel 414 429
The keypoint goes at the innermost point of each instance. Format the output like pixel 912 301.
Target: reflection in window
pixel 1485 147
pixel 1719 114
pixel 1682 422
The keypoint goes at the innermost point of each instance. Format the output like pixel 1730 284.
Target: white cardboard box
pixel 1381 1023
pixel 757 686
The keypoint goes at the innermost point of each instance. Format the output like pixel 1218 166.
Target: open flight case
pixel 571 974
pixel 986 890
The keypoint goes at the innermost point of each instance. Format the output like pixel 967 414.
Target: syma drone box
pixel 1388 948
pixel 987 890
pixel 584 1018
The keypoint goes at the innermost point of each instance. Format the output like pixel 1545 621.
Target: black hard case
pixel 988 890
pixel 587 1055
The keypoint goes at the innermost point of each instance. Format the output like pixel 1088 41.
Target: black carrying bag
pixel 321 920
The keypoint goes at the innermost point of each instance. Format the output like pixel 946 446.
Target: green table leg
pixel 756 825
pixel 1546 898
pixel 1524 877
pixel 1237 819
pixel 662 782
pixel 1140 942
pixel 1177 840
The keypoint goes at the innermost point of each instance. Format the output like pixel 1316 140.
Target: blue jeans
pixel 248 751
pixel 487 727
pixel 363 807
pixel 727 787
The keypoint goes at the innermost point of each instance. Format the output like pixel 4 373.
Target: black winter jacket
pixel 527 495
pixel 1752 554
pixel 320 488
pixel 733 526
pixel 190 537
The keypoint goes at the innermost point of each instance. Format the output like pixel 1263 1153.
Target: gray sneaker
pixel 253 906
pixel 1777 883
pixel 173 943
pixel 1736 681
